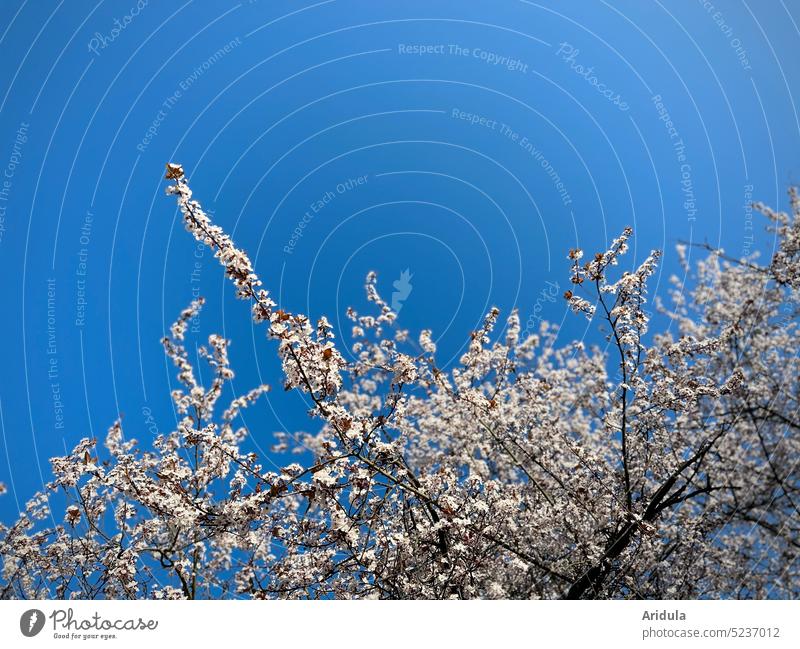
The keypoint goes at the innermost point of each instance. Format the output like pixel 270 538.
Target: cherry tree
pixel 663 465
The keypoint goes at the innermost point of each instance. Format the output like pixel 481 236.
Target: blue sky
pixel 470 143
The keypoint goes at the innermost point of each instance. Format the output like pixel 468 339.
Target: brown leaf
pixel 174 171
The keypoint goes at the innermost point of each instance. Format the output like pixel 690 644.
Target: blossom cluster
pixel 662 465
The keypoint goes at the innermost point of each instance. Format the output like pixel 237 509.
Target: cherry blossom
pixel 662 465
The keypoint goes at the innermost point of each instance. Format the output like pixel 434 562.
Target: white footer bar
pixel 385 625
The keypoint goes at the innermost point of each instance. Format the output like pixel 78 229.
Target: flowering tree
pixel 664 466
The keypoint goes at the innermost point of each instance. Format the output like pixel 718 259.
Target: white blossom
pixel 661 466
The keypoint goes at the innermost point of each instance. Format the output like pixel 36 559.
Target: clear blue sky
pixel 471 143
